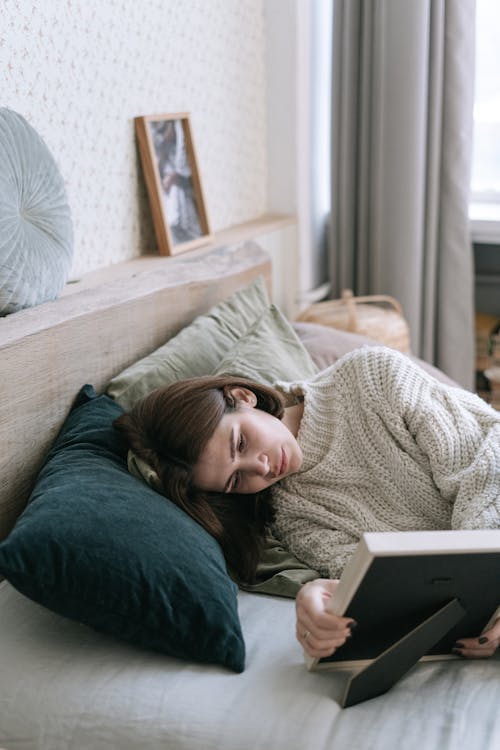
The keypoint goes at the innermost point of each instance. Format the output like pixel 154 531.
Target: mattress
pixel 65 687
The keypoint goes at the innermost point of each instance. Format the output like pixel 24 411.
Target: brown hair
pixel 169 429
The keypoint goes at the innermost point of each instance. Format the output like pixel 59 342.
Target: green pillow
pixel 99 546
pixel 196 350
pixel 270 351
pixel 246 336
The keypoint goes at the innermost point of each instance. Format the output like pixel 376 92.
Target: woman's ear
pixel 243 395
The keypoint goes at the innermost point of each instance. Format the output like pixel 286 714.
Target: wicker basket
pixel 379 317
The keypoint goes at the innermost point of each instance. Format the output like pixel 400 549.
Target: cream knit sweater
pixel 386 447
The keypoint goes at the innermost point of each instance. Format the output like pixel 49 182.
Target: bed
pixel 64 684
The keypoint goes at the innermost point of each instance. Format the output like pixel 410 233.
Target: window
pixel 485 183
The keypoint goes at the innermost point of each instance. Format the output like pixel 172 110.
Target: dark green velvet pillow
pixel 97 545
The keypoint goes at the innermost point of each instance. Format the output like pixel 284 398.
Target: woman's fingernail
pixel 353 624
pixel 456 651
pixel 482 639
pixel 459 645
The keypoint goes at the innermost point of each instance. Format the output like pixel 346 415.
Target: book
pixel 413 595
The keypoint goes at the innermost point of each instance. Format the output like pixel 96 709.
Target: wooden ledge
pixel 235 235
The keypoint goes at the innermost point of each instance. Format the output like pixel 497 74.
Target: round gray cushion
pixel 36 234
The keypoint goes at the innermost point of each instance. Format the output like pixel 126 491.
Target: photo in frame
pixel 173 182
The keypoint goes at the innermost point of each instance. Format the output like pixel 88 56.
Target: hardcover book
pixel 413 595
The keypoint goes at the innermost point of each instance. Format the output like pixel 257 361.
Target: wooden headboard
pixel 48 352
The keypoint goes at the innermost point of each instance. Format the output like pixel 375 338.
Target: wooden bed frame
pixel 48 352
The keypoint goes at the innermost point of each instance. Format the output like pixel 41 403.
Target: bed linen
pixel 65 687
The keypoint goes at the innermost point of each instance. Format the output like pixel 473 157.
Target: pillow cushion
pixel 196 350
pixel 326 345
pixel 36 234
pixel 264 347
pixel 270 351
pixel 97 545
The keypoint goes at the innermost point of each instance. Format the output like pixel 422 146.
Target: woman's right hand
pixel 318 631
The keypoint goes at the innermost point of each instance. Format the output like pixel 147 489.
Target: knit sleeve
pixel 459 434
pixel 386 447
pixel 312 540
pixel 461 437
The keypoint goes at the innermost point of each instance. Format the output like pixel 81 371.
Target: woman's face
pixel 249 451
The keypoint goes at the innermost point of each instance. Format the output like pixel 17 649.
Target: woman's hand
pixel 482 647
pixel 318 631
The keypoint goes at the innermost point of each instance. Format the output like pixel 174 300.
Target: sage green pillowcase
pixel 269 351
pixel 196 350
pixel 244 336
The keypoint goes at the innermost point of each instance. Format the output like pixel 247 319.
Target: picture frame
pixel 173 183
pixel 412 595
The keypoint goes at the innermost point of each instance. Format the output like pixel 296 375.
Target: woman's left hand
pixel 319 631
pixel 482 647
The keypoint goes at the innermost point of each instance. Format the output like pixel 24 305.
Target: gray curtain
pixel 402 116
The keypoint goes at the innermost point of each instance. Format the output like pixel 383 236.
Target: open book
pixel 413 595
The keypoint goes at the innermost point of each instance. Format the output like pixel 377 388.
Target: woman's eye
pixel 241 443
pixel 236 482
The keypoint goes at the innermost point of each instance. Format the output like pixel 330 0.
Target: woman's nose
pixel 262 464
pixel 257 464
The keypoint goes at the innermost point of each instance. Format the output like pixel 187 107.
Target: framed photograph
pixel 173 182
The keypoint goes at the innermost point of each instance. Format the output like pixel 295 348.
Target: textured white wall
pixel 80 70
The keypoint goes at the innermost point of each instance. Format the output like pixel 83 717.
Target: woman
pixel 373 443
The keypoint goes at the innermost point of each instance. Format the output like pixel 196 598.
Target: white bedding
pixel 64 687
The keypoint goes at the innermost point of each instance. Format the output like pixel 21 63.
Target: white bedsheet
pixel 64 687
